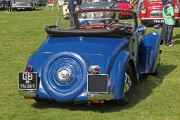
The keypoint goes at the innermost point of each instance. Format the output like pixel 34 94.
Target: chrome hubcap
pixel 128 83
pixel 64 74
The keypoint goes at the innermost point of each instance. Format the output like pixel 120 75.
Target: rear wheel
pixel 127 85
pixel 128 82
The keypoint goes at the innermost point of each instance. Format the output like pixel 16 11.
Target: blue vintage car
pixel 100 60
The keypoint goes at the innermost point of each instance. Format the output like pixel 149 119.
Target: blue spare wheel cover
pixel 64 76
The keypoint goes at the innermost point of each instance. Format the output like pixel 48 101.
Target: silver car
pixel 2 3
pixel 23 4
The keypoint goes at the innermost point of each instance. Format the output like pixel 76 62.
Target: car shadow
pixel 139 93
pixel 176 39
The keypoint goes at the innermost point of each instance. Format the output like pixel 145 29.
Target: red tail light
pixel 28 68
pixel 94 69
pixel 130 28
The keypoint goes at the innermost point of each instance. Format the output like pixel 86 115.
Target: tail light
pixel 130 28
pixel 94 69
pixel 28 68
pixel 143 9
pixel 176 9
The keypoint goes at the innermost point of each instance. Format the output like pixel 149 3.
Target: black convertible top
pixel 113 32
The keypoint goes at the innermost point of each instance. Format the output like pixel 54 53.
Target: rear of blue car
pixel 76 69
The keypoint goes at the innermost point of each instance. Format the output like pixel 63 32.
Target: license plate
pixel 158 21
pixel 28 81
pixel 97 83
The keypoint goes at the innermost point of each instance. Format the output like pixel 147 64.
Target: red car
pixel 150 11
pixel 126 7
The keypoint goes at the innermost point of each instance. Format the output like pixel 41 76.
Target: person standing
pixel 169 22
pixel 137 3
pixel 8 6
pixel 71 8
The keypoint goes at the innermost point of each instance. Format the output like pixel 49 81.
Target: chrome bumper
pixel 100 96
pixel 151 18
pixel 21 7
pixel 105 95
pixel 30 94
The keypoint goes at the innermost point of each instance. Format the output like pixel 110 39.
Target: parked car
pixel 2 3
pixel 96 4
pixel 40 2
pixel 23 4
pixel 126 7
pixel 151 11
pixel 100 61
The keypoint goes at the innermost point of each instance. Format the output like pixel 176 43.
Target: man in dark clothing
pixel 164 2
pixel 8 5
pixel 71 7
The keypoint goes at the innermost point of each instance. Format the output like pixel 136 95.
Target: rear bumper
pixel 104 96
pixel 84 97
pixel 27 94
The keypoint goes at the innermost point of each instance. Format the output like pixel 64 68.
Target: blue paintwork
pixel 111 54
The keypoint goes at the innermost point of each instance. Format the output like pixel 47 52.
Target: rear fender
pixel 149 52
pixel 117 75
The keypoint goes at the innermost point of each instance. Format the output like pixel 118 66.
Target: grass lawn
pixel 21 32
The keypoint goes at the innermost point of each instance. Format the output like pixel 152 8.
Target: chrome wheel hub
pixel 128 83
pixel 64 74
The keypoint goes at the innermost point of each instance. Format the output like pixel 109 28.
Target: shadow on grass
pixel 176 39
pixel 139 93
pixel 177 36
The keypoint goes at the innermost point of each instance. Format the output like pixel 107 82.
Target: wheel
pixel 127 85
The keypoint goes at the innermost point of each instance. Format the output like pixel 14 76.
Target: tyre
pixel 127 85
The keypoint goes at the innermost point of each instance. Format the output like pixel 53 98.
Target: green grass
pixel 21 33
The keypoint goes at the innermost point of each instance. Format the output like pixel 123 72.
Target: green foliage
pixel 21 33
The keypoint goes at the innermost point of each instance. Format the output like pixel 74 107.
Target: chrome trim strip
pixel 156 18
pixel 151 18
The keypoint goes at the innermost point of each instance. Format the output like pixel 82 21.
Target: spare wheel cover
pixel 64 76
